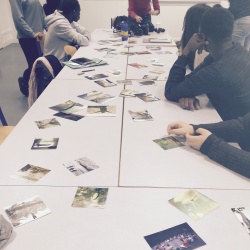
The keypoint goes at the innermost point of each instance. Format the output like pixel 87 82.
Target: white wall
pixel 97 14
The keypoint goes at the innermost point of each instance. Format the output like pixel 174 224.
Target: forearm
pixel 81 30
pixel 230 157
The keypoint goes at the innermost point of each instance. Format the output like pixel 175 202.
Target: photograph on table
pixel 26 211
pixel 101 111
pixel 45 143
pixel 150 77
pixel 147 83
pixel 243 215
pixel 125 82
pixel 194 204
pixel 87 197
pixel 96 76
pixel 142 52
pixel 72 117
pixel 146 97
pixel 97 96
pixel 158 70
pixel 127 53
pixel 47 123
pixel 80 166
pixel 154 48
pixel 105 83
pixel 138 65
pixel 128 93
pixel 112 55
pixel 104 49
pixel 164 52
pixel 115 72
pixel 140 115
pixel 68 107
pixel 168 142
pixel 30 173
pixel 179 237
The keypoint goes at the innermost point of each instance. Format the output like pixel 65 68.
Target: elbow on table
pixel 169 96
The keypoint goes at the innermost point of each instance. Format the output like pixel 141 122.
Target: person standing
pixel 28 17
pixel 140 11
pixel 241 12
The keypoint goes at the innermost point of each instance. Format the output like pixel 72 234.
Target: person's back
pixel 225 73
pixel 63 30
pixel 50 6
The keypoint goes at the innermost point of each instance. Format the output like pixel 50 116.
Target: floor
pixel 12 64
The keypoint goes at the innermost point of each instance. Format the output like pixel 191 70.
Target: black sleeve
pixel 229 156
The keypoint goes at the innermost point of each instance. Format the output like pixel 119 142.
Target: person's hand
pixel 197 41
pixel 138 19
pixel 180 128
pixel 154 12
pixel 197 140
pixel 189 103
pixel 38 36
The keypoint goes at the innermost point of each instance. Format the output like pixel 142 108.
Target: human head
pixel 71 10
pixel 217 25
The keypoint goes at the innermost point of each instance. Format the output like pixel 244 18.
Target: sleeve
pixel 156 5
pixel 231 131
pixel 81 30
pixel 131 9
pixel 18 18
pixel 204 79
pixel 69 33
pixel 229 156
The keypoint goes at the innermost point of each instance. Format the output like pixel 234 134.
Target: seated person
pixel 224 74
pixel 191 26
pixel 50 6
pixel 211 140
pixel 63 30
pixel 139 11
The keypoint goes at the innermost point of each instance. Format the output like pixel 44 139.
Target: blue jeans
pixel 241 32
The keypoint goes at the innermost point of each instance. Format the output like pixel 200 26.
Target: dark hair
pixel 51 6
pixel 217 24
pixel 191 25
pixel 67 6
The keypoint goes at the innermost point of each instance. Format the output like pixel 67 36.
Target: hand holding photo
pixel 168 143
pixel 87 197
pixel 194 204
pixel 179 237
pixel 140 115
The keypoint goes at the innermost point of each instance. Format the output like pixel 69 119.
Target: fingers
pixel 196 104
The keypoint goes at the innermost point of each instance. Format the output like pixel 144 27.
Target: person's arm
pixel 66 32
pixel 231 131
pixel 156 7
pixel 229 156
pixel 18 18
pixel 81 30
pixel 131 9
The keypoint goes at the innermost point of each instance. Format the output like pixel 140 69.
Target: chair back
pixel 2 118
pixel 69 50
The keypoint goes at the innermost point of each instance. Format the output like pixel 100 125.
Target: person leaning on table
pixel 211 140
pixel 64 30
pixel 140 11
pixel 224 75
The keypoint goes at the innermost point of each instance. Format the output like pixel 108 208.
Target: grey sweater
pixel 217 148
pixel 28 17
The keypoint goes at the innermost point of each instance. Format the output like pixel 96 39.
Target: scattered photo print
pixel 140 115
pixel 105 83
pixel 243 215
pixel 164 52
pixel 147 83
pixel 45 143
pixel 159 70
pixel 128 93
pixel 68 107
pixel 131 41
pixel 138 65
pixel 154 48
pixel 179 237
pixel 158 64
pixel 115 72
pixel 146 97
pixel 150 77
pixel 117 44
pixel 168 143
pixel 87 197
pixel 142 52
pixel 104 49
pixel 101 111
pixel 98 97
pixel 72 117
pixel 125 82
pixel 111 55
pixel 30 173
pixel 48 123
pixel 194 204
pixel 26 211
pixel 96 76
pixel 127 53
pixel 81 166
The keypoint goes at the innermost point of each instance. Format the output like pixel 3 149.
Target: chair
pixel 5 130
pixel 69 50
